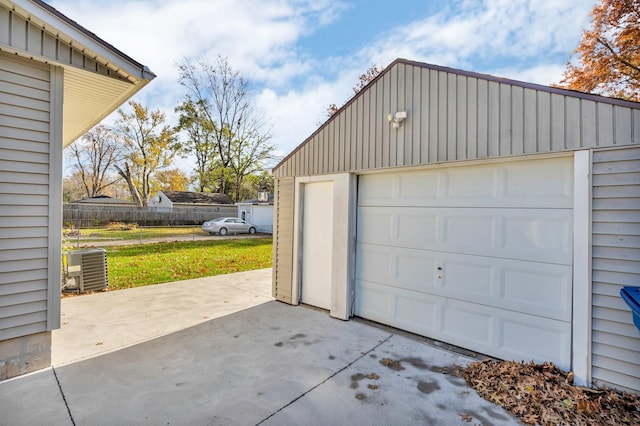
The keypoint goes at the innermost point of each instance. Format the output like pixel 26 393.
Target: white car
pixel 225 225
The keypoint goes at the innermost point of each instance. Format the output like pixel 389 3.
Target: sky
pixel 299 56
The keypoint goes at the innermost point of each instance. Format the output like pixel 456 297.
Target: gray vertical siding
pixel 616 263
pixel 454 116
pixel 283 208
pixel 24 196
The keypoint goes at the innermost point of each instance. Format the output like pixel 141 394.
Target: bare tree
pixel 369 75
pixel 94 154
pixel 72 187
pixel 240 135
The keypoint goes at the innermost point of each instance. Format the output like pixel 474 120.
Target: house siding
pixel 457 116
pixel 615 264
pixel 20 34
pixel 283 239
pixel 25 172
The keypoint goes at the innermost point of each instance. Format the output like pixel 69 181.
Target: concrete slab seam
pixel 362 355
pixel 66 404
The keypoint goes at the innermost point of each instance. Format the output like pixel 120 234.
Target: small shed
pixel 57 80
pixel 492 214
pixel 260 213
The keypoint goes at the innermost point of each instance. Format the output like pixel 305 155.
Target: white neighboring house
pixel 260 213
pixel 57 81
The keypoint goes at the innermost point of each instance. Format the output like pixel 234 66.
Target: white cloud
pixel 487 34
pixel 528 40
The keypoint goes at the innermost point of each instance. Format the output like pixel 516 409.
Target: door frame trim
pixel 582 285
pixel 342 241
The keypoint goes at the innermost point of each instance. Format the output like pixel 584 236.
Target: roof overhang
pixel 98 78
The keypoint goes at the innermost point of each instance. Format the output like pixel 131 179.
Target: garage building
pixel 492 214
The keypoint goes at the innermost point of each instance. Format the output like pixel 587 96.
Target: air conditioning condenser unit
pixel 84 270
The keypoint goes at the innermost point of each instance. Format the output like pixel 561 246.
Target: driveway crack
pixel 362 355
pixel 63 397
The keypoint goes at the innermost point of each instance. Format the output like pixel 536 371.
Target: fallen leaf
pixel 465 418
pixel 543 394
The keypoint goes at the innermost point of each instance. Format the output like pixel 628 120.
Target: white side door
pixel 317 243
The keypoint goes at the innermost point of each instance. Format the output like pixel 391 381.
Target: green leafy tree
pixel 199 142
pixel 150 146
pixel 170 180
pixel 255 183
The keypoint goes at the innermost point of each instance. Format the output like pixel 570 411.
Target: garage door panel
pixel 491 331
pixel 469 232
pixel 468 324
pixel 416 188
pixel 374 301
pixel 527 337
pixel 398 267
pixel 408 227
pixel 546 183
pixel 543 290
pixel 541 235
pixel 419 313
pixel 539 184
pixel 408 310
pixel 471 185
pixel 533 288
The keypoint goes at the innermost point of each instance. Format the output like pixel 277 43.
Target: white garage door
pixel 478 256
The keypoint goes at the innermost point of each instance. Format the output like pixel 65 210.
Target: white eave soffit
pixel 68 31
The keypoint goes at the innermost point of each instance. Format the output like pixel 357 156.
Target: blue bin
pixel 631 295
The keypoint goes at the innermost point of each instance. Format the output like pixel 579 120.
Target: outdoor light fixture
pixel 397 118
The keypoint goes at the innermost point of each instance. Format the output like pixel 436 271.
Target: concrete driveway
pixel 265 363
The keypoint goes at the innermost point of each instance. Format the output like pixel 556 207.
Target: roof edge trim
pixel 84 37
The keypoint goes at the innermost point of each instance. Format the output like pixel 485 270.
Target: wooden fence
pixel 88 215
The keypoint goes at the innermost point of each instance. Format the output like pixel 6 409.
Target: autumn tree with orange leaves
pixel 608 57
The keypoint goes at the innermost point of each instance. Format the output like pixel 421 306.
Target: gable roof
pixel 34 30
pixel 456 72
pixel 101 199
pixel 186 197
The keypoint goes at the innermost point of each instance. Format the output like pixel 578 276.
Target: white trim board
pixel 581 321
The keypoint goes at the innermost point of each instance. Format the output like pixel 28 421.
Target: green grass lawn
pixel 140 265
pixel 100 234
